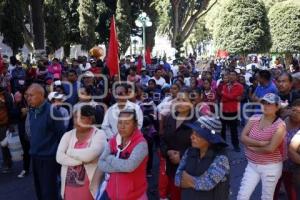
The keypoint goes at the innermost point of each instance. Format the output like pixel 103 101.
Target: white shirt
pixel 174 69
pixel 164 108
pixel 110 121
pixel 11 68
pixel 161 81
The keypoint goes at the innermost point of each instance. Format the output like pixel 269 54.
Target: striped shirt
pixel 264 134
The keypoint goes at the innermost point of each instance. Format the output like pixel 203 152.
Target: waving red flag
pixel 148 56
pixel 113 50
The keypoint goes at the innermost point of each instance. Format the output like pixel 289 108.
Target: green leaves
pixel 285 27
pixel 12 23
pixel 55 27
pixel 87 23
pixel 242 27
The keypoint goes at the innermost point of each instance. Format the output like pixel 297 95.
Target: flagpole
pixel 119 73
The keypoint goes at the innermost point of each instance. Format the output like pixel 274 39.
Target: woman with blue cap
pixel 203 172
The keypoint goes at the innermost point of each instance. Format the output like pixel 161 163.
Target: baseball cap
pixel 271 98
pixel 88 74
pixel 55 95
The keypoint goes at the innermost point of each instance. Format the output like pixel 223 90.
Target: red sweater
pixel 230 97
pixel 128 186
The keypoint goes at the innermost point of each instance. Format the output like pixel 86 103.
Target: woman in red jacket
pixel 125 160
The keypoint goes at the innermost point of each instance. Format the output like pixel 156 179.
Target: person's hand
pixel 187 180
pixel 251 148
pixel 263 143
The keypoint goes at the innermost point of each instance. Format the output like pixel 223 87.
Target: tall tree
pixel 123 24
pixel 149 8
pixel 55 28
pixel 11 23
pixel 285 30
pixel 105 9
pixel 183 16
pixel 87 23
pixel 38 23
pixel 71 21
pixel 243 27
pixel 199 34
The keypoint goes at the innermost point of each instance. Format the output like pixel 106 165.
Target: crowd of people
pixel 88 135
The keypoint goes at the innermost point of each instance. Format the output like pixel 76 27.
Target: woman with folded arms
pixel 78 153
pixel 263 138
pixel 125 160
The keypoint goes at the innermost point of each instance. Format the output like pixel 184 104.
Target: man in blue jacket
pixel 45 134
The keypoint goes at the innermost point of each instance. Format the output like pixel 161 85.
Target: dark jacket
pixel 197 167
pixel 46 132
pixel 175 139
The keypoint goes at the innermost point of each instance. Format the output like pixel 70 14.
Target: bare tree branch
pixel 191 23
pixel 208 9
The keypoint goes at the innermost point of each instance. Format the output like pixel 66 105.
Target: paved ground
pixel 12 188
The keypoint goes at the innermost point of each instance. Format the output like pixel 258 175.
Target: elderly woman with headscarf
pixel 203 172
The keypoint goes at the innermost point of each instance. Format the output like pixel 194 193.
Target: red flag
pixel 113 50
pixel 148 56
pixel 139 65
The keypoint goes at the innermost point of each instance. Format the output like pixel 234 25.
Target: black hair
pixel 99 63
pixel 123 85
pixel 133 68
pixel 265 74
pixel 296 103
pixel 88 111
pixel 131 112
pixel 177 85
pixel 88 90
pixel 233 71
pixel 73 71
pixel 152 80
pixel 186 90
pixel 13 60
pixel 290 77
pixel 180 81
pixel 157 69
pixel 198 90
pixel 208 72
pixel 60 87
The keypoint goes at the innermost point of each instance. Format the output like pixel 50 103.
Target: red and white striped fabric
pixel 264 134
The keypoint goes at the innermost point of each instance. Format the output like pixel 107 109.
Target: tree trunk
pixel 38 24
pixel 288 60
pixel 175 5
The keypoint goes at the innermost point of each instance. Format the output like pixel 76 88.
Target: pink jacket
pixel 55 69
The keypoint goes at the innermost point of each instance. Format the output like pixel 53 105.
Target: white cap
pixel 58 82
pixel 161 63
pixel 55 95
pixel 88 74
